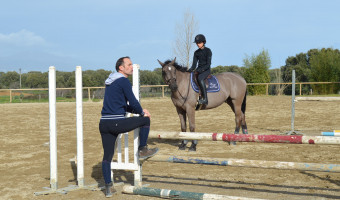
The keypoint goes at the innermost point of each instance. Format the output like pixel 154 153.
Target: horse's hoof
pixel 182 146
pixel 192 147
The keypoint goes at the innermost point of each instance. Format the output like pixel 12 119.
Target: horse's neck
pixel 183 79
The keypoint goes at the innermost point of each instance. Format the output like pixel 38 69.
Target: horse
pixel 233 91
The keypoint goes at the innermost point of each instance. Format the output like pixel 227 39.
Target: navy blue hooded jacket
pixel 119 98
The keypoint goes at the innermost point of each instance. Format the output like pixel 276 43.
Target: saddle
pixel 211 83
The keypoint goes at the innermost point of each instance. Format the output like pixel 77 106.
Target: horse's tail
pixel 243 107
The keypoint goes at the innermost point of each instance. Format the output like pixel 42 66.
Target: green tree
pixel 37 80
pixel 62 79
pixel 256 71
pixel 1 74
pixel 231 68
pixel 10 80
pixel 149 78
pixel 325 67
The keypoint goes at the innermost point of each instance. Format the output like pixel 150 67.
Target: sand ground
pixel 24 151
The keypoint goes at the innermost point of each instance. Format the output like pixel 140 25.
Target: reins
pixel 183 98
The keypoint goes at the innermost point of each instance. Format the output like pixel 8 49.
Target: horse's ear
pixel 173 62
pixel 162 64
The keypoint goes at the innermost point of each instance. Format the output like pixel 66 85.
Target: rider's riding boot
pixel 109 190
pixel 204 93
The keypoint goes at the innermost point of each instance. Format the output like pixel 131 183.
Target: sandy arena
pixel 24 157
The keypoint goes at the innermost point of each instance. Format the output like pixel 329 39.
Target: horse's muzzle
pixel 173 86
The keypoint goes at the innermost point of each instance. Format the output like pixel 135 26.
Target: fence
pixel 97 93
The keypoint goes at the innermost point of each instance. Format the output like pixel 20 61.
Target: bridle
pixel 175 80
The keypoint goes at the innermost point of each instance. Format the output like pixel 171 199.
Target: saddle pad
pixel 213 85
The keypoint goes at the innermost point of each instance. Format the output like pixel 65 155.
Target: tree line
pixel 317 65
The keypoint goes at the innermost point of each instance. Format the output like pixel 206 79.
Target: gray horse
pixel 233 91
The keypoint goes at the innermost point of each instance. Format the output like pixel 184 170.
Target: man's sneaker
pixel 145 152
pixel 109 190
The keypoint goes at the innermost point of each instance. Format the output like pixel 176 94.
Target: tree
pixel 37 80
pixel 10 80
pixel 257 71
pixel 184 47
pixel 325 67
pixel 231 68
pixel 314 66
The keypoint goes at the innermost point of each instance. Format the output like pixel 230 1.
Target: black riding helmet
pixel 200 38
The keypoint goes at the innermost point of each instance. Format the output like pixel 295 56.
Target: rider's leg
pixel 201 77
pixel 203 88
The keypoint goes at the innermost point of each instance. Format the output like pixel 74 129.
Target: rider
pixel 203 56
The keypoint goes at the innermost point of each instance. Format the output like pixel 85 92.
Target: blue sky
pixel 94 34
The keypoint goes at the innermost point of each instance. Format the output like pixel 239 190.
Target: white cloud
pixel 22 38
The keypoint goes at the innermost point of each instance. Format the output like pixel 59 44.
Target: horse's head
pixel 169 74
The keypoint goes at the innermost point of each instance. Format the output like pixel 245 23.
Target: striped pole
pixel 334 133
pixel 293 139
pixel 176 194
pixel 248 163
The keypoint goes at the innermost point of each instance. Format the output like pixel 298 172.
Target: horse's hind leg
pixel 244 124
pixel 238 116
pixel 238 113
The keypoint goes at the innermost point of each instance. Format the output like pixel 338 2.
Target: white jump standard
pixel 53 137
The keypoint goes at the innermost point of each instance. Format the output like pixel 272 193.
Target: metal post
pixel 293 106
pixel 79 105
pixel 53 128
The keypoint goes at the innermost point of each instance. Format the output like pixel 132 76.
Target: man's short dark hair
pixel 120 62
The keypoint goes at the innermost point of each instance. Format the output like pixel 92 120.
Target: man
pixel 203 56
pixel 118 100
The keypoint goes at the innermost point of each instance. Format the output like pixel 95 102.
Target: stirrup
pixel 202 101
pixel 198 106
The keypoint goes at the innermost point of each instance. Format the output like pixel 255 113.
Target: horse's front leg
pixel 191 118
pixel 183 119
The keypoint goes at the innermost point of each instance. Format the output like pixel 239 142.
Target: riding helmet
pixel 200 38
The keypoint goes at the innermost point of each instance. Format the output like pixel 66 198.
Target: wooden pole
pixel 176 194
pixel 293 139
pixel 248 163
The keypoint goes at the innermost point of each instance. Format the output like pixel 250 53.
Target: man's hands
pixel 146 113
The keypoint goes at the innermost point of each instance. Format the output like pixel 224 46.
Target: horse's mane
pixel 177 66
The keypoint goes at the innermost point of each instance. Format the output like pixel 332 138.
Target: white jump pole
pixel 135 89
pixel 53 128
pixel 79 110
